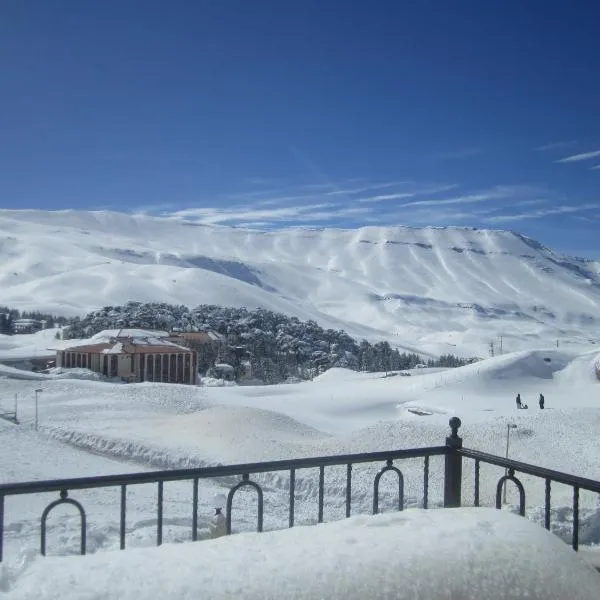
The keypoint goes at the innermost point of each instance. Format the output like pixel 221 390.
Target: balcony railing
pixel 452 451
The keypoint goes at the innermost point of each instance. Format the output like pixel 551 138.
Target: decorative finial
pixel 455 423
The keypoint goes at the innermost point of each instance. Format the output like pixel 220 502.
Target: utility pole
pixel 492 348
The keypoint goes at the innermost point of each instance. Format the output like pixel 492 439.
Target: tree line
pixel 276 346
pixel 9 315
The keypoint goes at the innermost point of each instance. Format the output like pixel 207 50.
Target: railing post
pixel 453 467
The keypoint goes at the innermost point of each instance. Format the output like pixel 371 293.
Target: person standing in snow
pixel 542 400
pixel 518 400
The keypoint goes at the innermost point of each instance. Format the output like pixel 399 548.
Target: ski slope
pixel 434 289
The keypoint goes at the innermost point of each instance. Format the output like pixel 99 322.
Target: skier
pixel 542 400
pixel 519 401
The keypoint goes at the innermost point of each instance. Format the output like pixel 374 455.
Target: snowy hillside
pixel 435 289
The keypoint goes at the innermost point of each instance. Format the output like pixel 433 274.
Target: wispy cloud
pixel 366 188
pixel 556 145
pixel 580 157
pixel 468 199
pixel 531 202
pixel 406 203
pixel 542 212
pixel 253 216
pixel 214 215
pixel 596 168
pixel 415 191
pixel 496 193
pixel 274 192
pixel 284 199
pixel 384 197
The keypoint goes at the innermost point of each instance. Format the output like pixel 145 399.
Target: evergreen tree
pixel 277 346
pixel 6 323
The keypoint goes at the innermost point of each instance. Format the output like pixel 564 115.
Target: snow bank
pixel 339 374
pixel 53 373
pixel 436 554
pixel 29 345
pixel 215 382
pixel 12 373
pixel 78 373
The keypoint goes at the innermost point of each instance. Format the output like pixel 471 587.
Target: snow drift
pixel 438 555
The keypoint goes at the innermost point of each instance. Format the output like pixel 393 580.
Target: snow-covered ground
pixel 435 290
pixel 95 427
pixel 29 345
pixel 464 553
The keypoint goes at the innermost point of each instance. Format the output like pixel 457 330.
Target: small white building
pixel 28 325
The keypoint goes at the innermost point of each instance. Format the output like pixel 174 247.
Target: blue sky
pixel 310 113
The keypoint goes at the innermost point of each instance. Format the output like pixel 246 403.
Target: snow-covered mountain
pixel 432 289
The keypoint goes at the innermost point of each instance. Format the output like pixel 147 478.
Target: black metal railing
pixel 452 451
pixel 66 486
pixel 549 476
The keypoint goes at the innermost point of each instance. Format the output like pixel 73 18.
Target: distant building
pixel 5 324
pixel 198 338
pixel 208 344
pixel 134 356
pixel 27 325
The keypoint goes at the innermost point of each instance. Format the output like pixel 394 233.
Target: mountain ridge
pixel 441 289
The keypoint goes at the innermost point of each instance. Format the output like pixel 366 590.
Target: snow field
pixel 93 427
